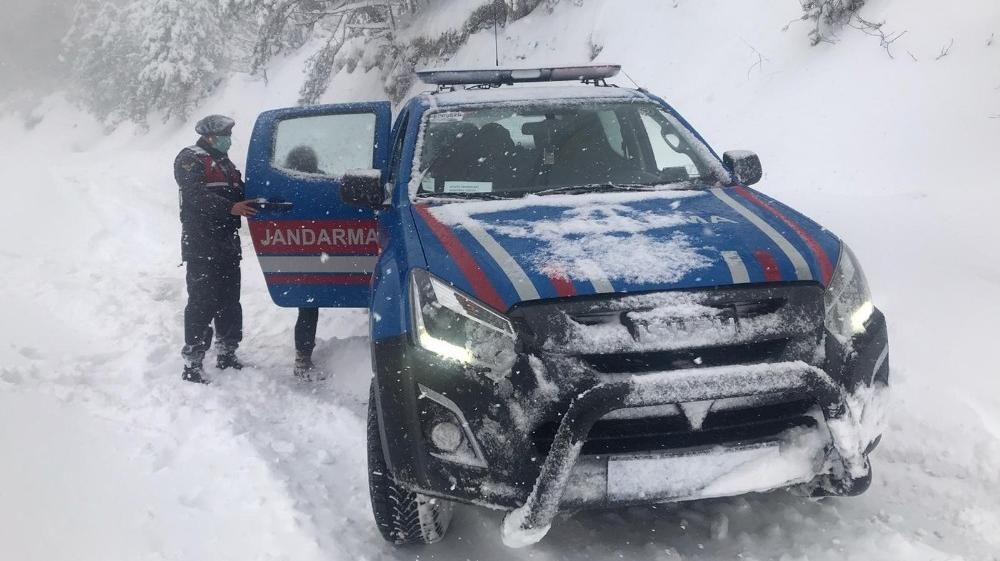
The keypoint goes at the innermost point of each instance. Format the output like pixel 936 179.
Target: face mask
pixel 223 143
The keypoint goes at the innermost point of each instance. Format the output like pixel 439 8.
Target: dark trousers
pixel 213 295
pixel 305 330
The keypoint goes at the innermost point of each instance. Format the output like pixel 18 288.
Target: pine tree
pixel 102 53
pixel 142 57
pixel 184 54
pixel 134 58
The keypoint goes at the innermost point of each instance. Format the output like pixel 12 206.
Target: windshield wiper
pixel 596 188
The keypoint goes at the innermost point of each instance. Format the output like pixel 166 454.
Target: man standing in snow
pixel 212 204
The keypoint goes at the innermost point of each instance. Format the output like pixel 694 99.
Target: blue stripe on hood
pixel 639 241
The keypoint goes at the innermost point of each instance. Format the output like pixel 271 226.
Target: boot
pixel 193 370
pixel 194 373
pixel 305 369
pixel 228 359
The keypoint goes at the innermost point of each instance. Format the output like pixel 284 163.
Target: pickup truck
pixel 574 301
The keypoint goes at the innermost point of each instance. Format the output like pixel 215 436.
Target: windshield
pixel 513 151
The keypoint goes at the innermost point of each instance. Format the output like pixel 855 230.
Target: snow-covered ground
pixel 105 454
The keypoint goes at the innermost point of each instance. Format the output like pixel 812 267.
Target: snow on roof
pixel 530 93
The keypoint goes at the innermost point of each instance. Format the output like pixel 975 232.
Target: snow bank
pixel 84 487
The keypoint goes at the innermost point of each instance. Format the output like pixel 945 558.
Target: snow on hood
pixel 594 236
pixel 539 247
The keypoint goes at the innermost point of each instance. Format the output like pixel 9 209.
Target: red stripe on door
pixel 767 262
pixel 304 237
pixel 481 285
pixel 825 267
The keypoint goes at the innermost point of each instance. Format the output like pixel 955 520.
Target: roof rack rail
pixel 495 77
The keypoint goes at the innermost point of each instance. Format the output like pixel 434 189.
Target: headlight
pixel 455 326
pixel 848 301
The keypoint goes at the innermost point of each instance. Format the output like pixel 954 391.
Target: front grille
pixel 656 361
pixel 727 311
pixel 721 428
pixel 581 340
pixel 677 329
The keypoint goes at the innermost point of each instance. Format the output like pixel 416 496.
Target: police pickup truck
pixel 574 301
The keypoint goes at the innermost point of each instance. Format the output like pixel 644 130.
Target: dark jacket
pixel 209 186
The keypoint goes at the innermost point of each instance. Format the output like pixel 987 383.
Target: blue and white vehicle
pixel 574 301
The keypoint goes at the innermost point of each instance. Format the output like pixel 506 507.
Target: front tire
pixel 402 516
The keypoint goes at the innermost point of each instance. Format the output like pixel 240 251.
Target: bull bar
pixel 530 522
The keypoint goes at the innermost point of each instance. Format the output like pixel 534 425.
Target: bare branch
pixel 945 50
pixel 759 64
pixel 876 30
pixel 789 24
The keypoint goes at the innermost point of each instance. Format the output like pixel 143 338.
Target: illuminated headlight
pixel 848 301
pixel 455 326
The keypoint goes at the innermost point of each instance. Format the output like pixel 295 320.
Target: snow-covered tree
pixel 829 16
pixel 131 59
pixel 102 53
pixel 184 54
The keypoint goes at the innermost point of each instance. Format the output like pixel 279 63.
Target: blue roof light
pixel 508 76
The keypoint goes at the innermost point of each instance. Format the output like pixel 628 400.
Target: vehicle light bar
pixel 509 76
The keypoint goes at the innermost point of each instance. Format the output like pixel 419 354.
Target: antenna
pixel 634 83
pixel 496 33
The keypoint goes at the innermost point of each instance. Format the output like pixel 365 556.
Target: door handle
pixel 280 206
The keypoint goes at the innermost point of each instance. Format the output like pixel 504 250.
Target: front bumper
pixel 531 520
pixel 506 416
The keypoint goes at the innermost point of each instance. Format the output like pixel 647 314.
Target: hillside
pixel 114 459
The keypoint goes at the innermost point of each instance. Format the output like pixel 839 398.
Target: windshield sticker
pixel 427 184
pixel 468 187
pixel 447 117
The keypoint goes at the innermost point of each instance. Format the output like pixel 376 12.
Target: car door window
pixel 613 131
pixel 326 145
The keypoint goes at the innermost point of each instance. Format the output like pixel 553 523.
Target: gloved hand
pixel 244 208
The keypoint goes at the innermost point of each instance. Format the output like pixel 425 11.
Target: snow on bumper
pixel 720 471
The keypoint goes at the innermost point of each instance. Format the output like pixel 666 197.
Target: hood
pixel 539 247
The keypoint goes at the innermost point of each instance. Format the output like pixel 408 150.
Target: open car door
pixel 315 251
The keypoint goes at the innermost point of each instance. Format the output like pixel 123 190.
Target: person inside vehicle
pixel 303 159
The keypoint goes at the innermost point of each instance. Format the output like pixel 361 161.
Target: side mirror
pixel 745 165
pixel 362 188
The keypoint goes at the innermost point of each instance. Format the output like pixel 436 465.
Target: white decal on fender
pixel 802 271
